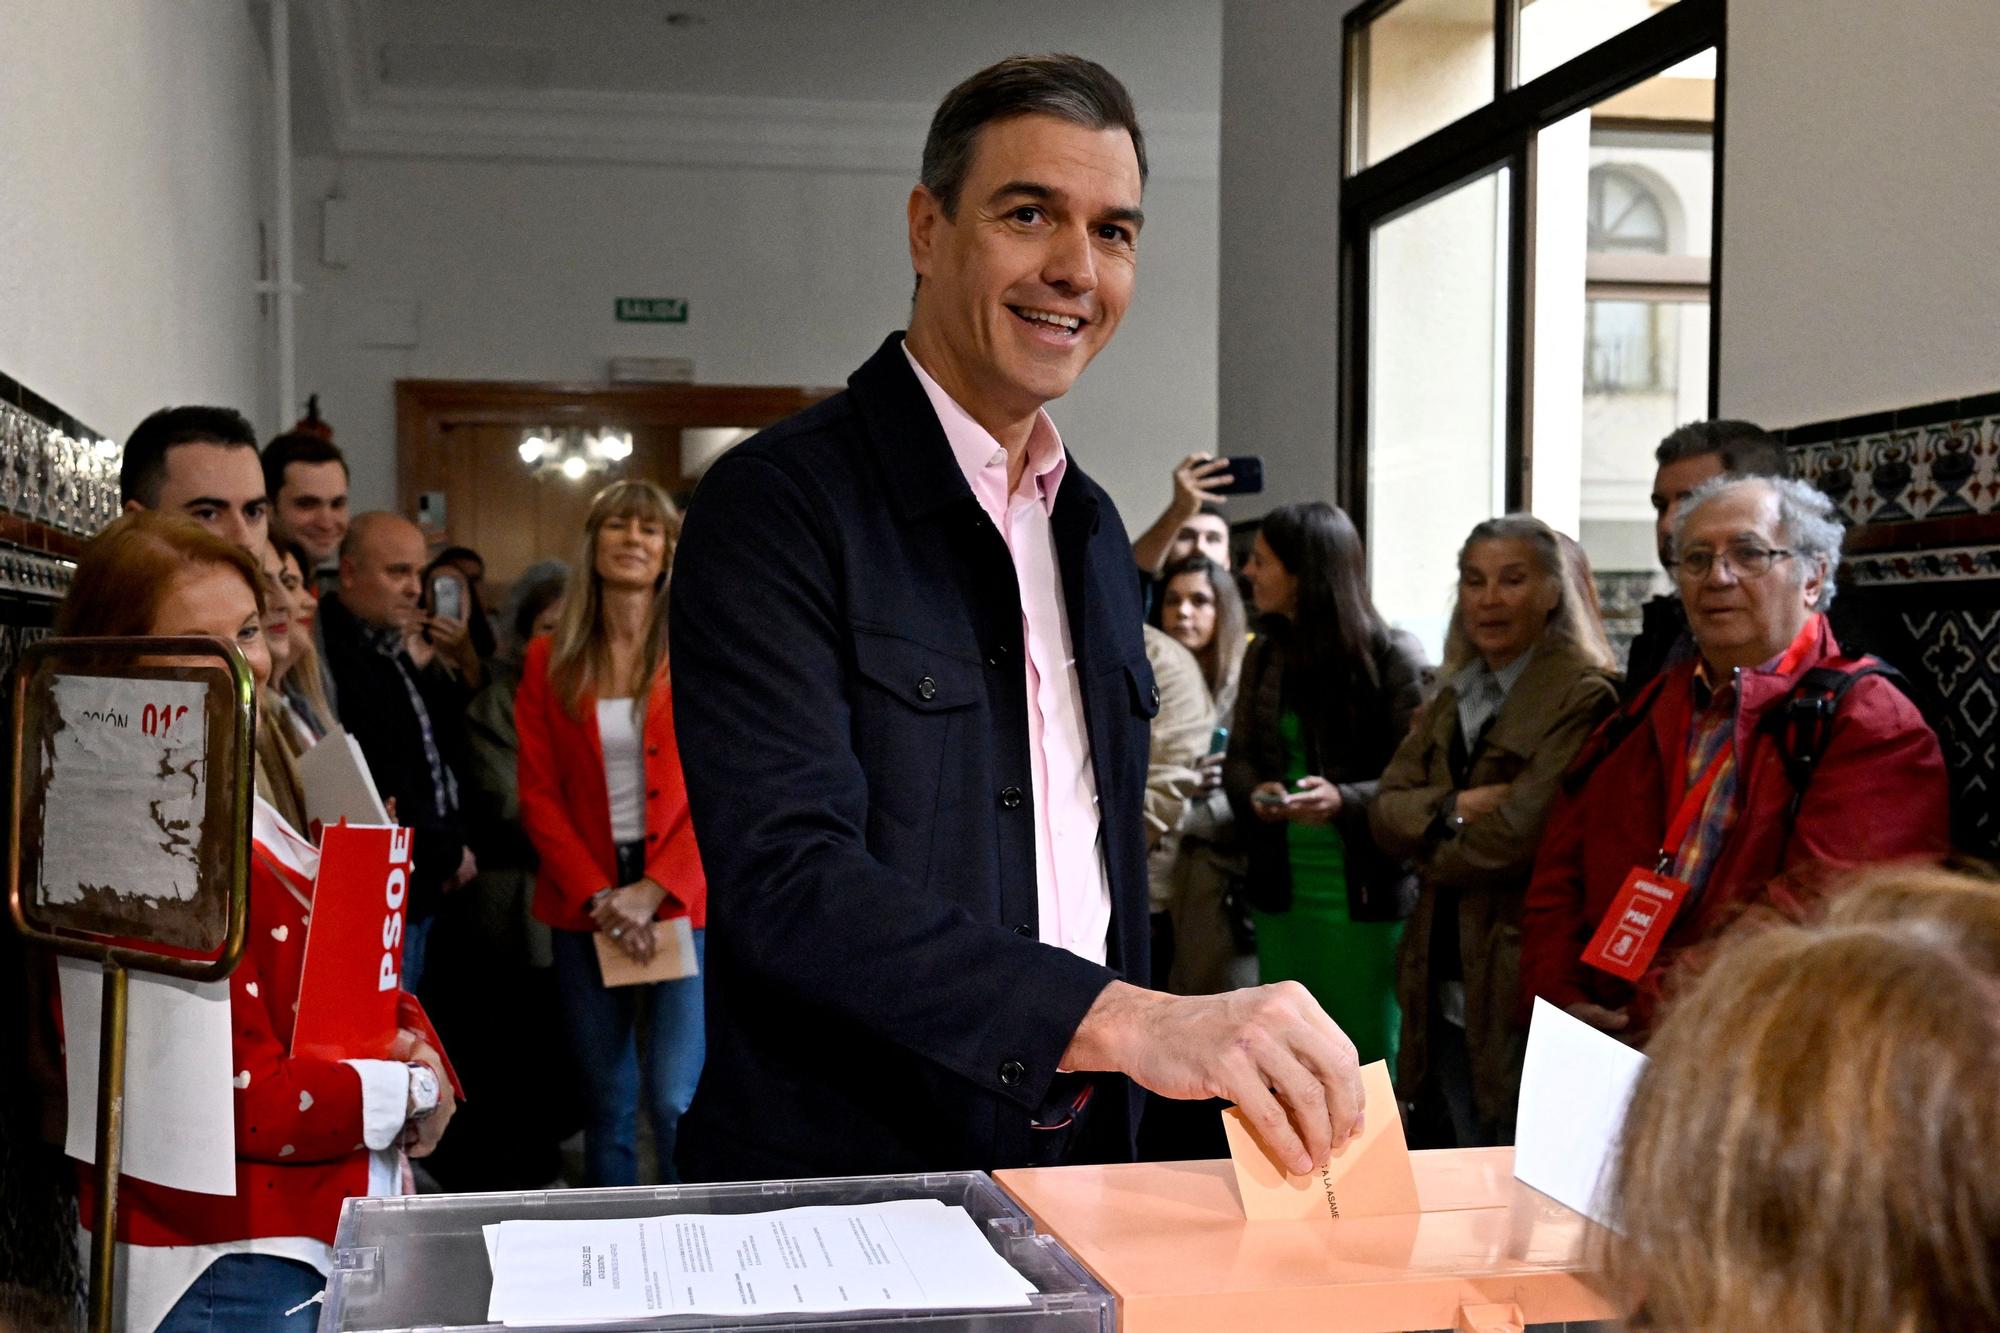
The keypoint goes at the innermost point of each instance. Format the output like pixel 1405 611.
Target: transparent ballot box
pixel 419 1262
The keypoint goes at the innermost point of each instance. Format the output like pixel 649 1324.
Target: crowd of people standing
pixel 1422 848
pixel 937 763
pixel 1428 848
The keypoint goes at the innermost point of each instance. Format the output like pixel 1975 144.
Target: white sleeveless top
pixel 624 768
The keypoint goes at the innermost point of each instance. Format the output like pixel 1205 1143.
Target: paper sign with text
pixel 1370 1177
pixel 354 950
pixel 126 789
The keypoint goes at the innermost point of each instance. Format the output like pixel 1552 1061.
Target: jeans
pixel 416 939
pixel 605 1025
pixel 248 1293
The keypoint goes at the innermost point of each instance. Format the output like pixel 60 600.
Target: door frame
pixel 424 408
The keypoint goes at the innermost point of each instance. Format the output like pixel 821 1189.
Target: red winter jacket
pixel 566 807
pixel 1879 794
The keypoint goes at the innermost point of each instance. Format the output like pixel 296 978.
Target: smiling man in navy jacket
pixel 913 706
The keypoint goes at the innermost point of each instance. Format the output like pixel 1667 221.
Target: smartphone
pixel 1219 742
pixel 1246 475
pixel 447 597
pixel 1266 798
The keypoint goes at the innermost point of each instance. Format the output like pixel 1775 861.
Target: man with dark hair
pixel 1192 523
pixel 201 462
pixel 1697 452
pixel 913 717
pixel 306 477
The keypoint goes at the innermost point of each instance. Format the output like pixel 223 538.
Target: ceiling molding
pixel 370 119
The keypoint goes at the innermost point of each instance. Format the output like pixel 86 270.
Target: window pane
pixel 1553 31
pixel 1622 424
pixel 1623 249
pixel 1424 64
pixel 1651 191
pixel 1436 399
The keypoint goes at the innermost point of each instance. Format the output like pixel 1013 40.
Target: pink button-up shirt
pixel 1072 890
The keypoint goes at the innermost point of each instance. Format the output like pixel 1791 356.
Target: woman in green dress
pixel 1327 693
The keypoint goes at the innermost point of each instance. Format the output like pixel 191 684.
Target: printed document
pixel 906 1254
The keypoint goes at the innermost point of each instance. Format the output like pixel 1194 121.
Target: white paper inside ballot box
pixel 901 1255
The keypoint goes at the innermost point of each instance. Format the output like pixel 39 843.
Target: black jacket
pixel 1379 888
pixel 375 708
pixel 852 717
pixel 1663 640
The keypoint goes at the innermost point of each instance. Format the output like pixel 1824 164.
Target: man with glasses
pixel 1682 815
pixel 1697 452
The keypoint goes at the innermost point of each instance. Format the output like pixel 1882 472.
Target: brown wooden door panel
pixel 462 438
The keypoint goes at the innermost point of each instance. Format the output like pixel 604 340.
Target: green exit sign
pixel 652 310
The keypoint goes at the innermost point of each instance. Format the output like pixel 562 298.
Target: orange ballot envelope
pixel 1370 1177
pixel 673 955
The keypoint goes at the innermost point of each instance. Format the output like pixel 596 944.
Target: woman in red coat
pixel 603 802
pixel 309 1132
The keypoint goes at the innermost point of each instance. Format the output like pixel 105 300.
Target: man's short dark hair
pixel 1747 449
pixel 297 447
pixel 144 469
pixel 1212 510
pixel 1069 88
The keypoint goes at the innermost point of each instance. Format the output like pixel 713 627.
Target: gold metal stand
pixel 110 1143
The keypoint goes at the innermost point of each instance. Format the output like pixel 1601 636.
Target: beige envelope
pixel 1370 1177
pixel 673 955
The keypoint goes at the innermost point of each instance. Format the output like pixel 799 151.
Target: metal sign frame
pixel 225 828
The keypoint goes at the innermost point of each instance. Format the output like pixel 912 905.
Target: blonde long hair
pixel 1815 1141
pixel 1575 619
pixel 580 655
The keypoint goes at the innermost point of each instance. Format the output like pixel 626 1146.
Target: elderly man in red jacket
pixel 1680 816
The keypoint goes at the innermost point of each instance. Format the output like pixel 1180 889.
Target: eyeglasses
pixel 1743 560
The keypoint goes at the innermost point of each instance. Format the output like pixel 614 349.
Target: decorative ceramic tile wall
pixel 1900 476
pixel 1933 609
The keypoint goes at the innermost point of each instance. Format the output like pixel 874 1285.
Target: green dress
pixel 1349 966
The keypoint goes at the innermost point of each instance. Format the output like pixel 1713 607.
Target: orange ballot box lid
pixel 1171 1242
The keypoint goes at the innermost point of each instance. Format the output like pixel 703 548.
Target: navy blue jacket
pixel 852 714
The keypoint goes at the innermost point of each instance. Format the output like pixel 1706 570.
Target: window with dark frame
pixel 1638 290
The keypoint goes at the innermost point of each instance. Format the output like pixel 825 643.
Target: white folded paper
pixel 338 784
pixel 906 1254
pixel 180 1119
pixel 1574 1087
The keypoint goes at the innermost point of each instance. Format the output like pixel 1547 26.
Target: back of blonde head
pixel 1815 1142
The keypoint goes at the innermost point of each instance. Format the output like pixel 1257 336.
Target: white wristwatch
pixel 423 1090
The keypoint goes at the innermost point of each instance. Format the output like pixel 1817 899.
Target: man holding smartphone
pixel 1193 522
pixel 913 713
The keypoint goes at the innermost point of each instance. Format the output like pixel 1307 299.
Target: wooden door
pixel 461 439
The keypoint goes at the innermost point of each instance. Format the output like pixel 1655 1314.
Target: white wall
pixel 792 277
pixel 1277 385
pixel 133 162
pixel 1861 207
